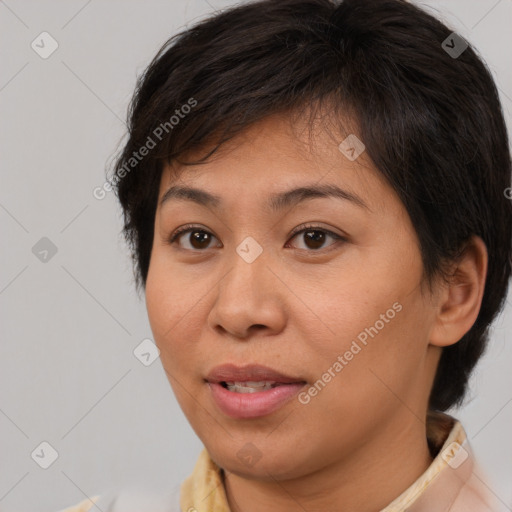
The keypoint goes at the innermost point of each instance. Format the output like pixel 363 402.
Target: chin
pixel 260 460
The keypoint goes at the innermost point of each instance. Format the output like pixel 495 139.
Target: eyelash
pixel 299 229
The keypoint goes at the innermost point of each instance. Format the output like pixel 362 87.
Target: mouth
pixel 251 391
pixel 250 387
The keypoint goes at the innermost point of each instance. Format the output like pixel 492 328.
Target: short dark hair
pixel 431 122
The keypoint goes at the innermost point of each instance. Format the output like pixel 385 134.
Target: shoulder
pixel 478 496
pixel 131 499
pixel 83 506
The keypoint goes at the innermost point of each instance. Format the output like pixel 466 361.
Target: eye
pixel 314 236
pixel 200 238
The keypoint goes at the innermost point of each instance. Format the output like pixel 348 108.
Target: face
pixel 322 291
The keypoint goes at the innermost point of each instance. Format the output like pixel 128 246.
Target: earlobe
pixel 460 299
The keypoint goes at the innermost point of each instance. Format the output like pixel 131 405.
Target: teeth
pixel 250 386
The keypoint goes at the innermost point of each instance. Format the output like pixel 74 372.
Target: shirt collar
pixel 443 480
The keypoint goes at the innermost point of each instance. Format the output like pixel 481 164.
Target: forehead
pixel 274 155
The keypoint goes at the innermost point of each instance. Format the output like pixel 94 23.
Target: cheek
pixel 174 310
pixel 171 327
pixel 164 310
pixel 157 298
pixel 167 294
pixel 391 350
pixel 377 319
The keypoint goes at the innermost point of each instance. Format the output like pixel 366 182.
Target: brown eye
pixel 198 239
pixel 315 237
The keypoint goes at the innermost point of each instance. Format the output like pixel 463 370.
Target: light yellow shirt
pixel 452 483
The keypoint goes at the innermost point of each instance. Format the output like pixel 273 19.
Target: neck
pixel 366 481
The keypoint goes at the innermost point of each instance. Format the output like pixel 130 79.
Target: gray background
pixel 69 325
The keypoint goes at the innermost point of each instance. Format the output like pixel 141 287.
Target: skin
pixel 361 441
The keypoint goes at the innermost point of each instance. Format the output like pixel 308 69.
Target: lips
pixel 249 373
pixel 246 392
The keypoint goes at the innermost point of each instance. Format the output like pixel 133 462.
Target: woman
pixel 314 193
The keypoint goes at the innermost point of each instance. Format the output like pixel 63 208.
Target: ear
pixel 459 300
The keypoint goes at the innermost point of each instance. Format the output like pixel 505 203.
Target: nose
pixel 249 298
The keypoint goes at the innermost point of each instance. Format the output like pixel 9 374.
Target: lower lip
pixel 252 405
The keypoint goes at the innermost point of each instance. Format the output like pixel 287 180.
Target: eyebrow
pixel 276 202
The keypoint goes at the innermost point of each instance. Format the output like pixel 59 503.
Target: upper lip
pixel 248 373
